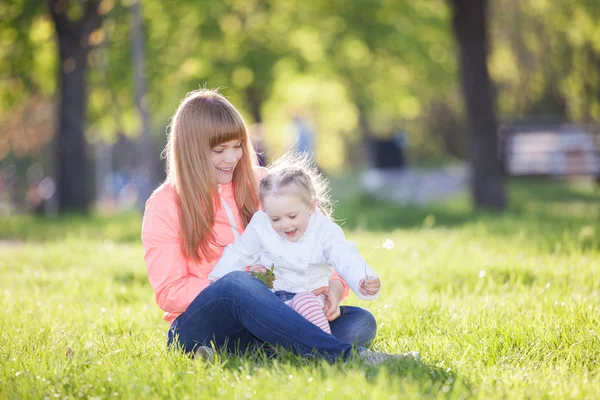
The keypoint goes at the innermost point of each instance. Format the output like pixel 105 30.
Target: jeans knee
pixel 368 327
pixel 234 276
pixel 370 322
pixel 238 282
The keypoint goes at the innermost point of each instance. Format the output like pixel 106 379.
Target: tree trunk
pixel 366 139
pixel 254 101
pixel 72 166
pixel 73 47
pixel 470 25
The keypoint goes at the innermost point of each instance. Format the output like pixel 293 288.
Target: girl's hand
pixel 258 267
pixel 370 286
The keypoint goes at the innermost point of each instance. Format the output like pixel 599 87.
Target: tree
pixel 73 36
pixel 470 27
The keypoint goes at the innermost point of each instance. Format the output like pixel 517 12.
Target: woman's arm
pixel 173 286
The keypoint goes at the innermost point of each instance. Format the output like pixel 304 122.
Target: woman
pixel 209 197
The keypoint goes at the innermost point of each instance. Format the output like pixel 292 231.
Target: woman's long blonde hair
pixel 204 120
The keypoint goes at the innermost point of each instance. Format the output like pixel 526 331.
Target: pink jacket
pixel 175 279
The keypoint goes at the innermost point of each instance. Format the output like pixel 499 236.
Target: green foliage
pixel 547 63
pixel 500 306
pixel 374 65
pixel 26 52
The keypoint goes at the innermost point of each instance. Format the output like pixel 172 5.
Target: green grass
pixel 500 306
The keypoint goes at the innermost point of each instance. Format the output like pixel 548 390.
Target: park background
pixel 408 107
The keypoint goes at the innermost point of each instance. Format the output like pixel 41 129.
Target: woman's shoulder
pixel 163 198
pixel 161 216
pixel 165 192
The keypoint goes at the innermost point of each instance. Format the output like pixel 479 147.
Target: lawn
pixel 499 305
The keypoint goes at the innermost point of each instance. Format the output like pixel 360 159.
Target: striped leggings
pixel 311 307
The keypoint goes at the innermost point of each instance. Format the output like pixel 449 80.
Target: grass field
pixel 500 306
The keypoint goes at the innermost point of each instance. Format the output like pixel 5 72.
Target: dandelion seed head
pixel 388 244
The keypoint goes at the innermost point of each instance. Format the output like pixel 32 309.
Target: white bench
pixel 551 150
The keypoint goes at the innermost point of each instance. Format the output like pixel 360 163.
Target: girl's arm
pixel 347 261
pixel 242 253
pixel 173 286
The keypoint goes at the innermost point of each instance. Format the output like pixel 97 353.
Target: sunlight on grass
pixel 500 306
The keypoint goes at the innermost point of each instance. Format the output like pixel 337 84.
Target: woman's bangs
pixel 227 136
pixel 226 131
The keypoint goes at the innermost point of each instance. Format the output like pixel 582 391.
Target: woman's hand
pixel 370 287
pixel 333 295
pixel 258 267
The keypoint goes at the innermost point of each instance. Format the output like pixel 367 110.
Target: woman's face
pixel 225 157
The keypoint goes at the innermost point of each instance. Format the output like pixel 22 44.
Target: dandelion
pixel 388 244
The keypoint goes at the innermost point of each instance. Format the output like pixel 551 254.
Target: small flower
pixel 388 244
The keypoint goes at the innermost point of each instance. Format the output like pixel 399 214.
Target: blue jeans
pixel 285 296
pixel 238 312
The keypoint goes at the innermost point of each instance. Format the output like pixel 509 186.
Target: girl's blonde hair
pixel 204 120
pixel 295 173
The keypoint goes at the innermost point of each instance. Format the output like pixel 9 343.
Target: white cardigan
pixel 300 266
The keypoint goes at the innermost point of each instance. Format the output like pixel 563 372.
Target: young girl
pixel 296 235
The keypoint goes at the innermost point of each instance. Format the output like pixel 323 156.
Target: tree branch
pixel 90 21
pixel 63 25
pixel 92 18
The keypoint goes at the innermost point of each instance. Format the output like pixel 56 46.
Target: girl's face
pixel 289 215
pixel 225 157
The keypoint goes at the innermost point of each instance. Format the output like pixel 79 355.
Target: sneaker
pixel 205 353
pixel 375 357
